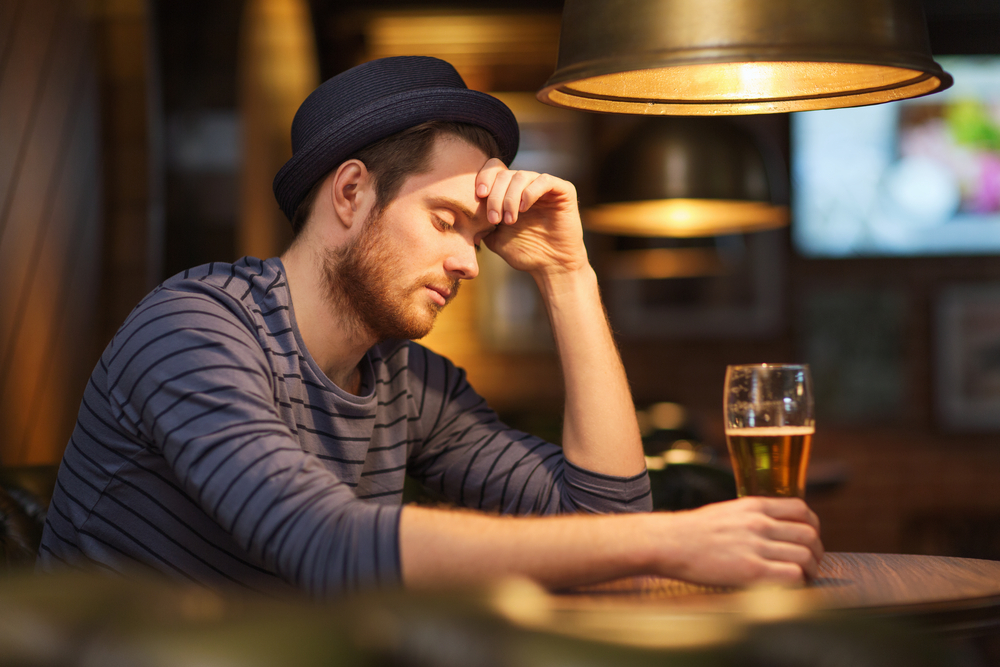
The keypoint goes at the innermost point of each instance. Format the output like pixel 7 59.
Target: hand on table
pixel 745 541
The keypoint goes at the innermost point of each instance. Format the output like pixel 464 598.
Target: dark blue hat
pixel 373 101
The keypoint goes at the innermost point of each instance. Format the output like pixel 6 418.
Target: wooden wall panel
pixel 50 228
pixel 132 238
pixel 9 11
pixel 20 84
pixel 278 70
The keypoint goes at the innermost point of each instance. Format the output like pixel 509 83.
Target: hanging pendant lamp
pixel 686 177
pixel 707 57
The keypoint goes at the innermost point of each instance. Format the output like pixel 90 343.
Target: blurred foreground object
pixel 709 57
pixel 80 619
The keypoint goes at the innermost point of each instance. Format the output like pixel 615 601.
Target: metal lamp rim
pixel 621 63
pixel 732 101
pixel 924 69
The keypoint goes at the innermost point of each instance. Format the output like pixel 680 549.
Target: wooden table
pixel 959 597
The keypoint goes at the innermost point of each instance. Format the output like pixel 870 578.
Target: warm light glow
pixel 468 37
pixel 664 263
pixel 278 69
pixel 685 217
pixel 740 88
pixel 744 81
pixel 478 44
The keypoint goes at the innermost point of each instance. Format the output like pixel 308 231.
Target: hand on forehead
pixel 507 192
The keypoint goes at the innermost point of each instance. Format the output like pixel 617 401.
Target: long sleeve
pixel 469 456
pixel 201 393
pixel 211 447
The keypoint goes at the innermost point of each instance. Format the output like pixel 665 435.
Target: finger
pixel 512 198
pixel 487 175
pixel 789 509
pixel 494 203
pixel 782 572
pixel 814 520
pixel 791 531
pixel 785 552
pixel 543 185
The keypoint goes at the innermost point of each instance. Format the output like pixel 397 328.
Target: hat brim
pixel 347 134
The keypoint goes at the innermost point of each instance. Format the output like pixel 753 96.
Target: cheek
pixel 408 230
pixel 414 244
pixel 420 250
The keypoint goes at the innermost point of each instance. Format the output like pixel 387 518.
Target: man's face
pixel 407 262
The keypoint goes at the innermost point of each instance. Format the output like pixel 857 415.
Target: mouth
pixel 439 295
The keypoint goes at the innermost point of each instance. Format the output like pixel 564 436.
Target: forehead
pixel 454 165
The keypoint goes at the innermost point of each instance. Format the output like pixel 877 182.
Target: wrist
pixel 646 527
pixel 553 282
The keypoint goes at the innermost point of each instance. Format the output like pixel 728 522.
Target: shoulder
pixel 248 280
pixel 218 301
pixel 239 288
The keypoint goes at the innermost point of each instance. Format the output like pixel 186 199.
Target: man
pixel 252 423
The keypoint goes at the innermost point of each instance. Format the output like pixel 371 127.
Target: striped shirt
pixel 211 447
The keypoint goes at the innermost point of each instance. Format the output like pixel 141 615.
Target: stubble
pixel 359 282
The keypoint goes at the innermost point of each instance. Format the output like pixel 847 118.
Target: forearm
pixel 440 547
pixel 600 432
pixel 727 544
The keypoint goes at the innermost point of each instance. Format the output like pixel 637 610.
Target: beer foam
pixel 771 431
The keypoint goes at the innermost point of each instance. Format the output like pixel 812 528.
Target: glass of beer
pixel 769 427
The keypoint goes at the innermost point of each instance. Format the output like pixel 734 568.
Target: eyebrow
pixel 448 202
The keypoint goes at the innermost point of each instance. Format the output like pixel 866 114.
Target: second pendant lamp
pixel 686 177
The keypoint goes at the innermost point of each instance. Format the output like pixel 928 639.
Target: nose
pixel 462 263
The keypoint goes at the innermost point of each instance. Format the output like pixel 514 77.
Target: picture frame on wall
pixel 967 385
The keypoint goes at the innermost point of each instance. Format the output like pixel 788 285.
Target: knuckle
pixel 758 523
pixel 754 503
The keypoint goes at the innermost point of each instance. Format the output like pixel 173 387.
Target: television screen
pixel 916 177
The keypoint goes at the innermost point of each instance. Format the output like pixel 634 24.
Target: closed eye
pixel 441 224
pixel 447 227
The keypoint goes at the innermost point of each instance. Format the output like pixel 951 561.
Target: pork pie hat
pixel 373 101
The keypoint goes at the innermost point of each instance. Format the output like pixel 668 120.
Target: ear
pixel 352 193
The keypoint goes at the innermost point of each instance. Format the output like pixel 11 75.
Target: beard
pixel 359 285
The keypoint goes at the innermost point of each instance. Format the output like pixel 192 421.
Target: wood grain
pixel 50 226
pixel 950 593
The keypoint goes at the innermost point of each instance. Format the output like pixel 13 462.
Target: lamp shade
pixel 685 177
pixel 706 57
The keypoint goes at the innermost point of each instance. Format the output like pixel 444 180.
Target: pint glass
pixel 769 427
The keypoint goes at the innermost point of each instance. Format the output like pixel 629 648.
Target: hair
pixel 391 160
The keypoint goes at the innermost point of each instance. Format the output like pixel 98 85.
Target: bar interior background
pixel 138 138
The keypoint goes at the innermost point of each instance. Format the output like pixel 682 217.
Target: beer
pixel 770 461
